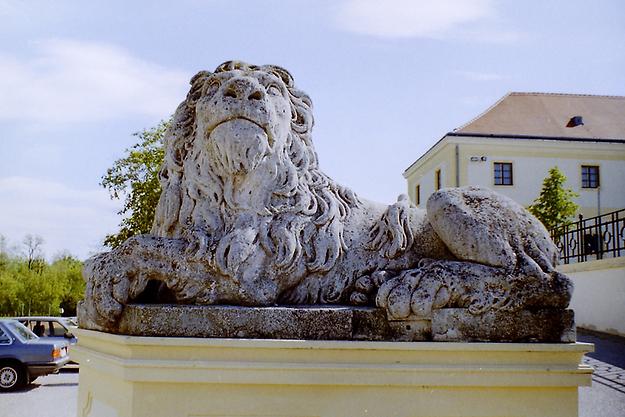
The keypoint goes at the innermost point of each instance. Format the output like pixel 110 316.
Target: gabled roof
pixel 548 114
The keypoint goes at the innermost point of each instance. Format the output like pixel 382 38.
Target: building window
pixel 417 194
pixel 437 180
pixel 503 173
pixel 590 176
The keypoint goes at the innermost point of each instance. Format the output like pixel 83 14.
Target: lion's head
pixel 241 144
pixel 244 117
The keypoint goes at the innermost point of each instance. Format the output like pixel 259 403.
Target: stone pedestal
pixel 133 376
pixel 334 322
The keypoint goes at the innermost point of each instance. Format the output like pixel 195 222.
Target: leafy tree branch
pixel 134 178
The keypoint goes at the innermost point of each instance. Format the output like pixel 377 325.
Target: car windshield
pixel 22 331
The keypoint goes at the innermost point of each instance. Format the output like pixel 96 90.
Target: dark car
pixel 24 356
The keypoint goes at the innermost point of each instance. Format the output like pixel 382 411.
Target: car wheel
pixel 12 376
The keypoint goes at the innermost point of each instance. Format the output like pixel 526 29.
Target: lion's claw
pixel 366 287
pixel 364 284
pixel 411 293
pixel 358 298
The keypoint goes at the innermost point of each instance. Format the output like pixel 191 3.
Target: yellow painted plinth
pixel 153 376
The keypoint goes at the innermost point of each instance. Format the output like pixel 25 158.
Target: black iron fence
pixel 592 238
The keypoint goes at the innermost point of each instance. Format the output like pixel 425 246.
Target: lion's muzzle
pixel 238 145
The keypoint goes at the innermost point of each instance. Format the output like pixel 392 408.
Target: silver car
pixel 49 326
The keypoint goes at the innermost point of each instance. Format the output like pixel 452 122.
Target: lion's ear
pixel 200 75
pixel 280 72
pixel 197 87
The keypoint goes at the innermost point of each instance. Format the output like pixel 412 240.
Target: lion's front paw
pixel 110 285
pixel 414 292
pixel 99 309
pixel 447 284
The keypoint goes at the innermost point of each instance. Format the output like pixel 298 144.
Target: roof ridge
pixel 539 93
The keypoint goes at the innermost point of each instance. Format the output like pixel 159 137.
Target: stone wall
pixel 599 296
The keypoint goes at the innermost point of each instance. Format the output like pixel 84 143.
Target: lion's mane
pixel 303 223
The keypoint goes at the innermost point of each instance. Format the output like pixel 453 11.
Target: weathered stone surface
pixel 411 330
pixel 246 217
pixel 286 322
pixel 458 324
pixel 323 322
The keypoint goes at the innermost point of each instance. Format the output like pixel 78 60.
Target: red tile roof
pixel 547 115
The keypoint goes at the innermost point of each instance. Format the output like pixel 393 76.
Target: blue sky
pixel 387 79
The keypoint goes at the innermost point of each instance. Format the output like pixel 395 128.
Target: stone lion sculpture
pixel 246 217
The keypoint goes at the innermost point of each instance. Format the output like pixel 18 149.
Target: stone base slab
pixel 327 322
pixel 457 324
pixel 130 376
pixel 281 322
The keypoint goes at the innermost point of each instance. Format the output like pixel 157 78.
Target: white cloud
pixel 67 218
pixel 412 18
pixel 71 81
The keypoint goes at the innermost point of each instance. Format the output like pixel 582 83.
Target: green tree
pixel 42 290
pixel 135 178
pixel 555 206
pixel 4 253
pixel 9 292
pixel 67 274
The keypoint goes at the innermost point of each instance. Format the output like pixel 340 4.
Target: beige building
pixel 512 145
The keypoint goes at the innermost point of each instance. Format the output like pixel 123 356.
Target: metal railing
pixel 593 238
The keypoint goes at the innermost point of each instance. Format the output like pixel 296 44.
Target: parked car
pixel 24 356
pixel 53 327
pixel 48 326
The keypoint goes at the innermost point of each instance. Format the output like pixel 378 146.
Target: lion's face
pixel 243 116
pixel 239 155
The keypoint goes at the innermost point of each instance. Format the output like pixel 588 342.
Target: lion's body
pixel 284 230
pixel 246 217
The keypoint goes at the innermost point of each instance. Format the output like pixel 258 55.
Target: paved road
pixel 606 397
pixel 48 396
pixel 55 395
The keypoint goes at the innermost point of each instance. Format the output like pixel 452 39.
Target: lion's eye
pixel 274 90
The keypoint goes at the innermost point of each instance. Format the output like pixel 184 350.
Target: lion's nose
pixel 243 89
